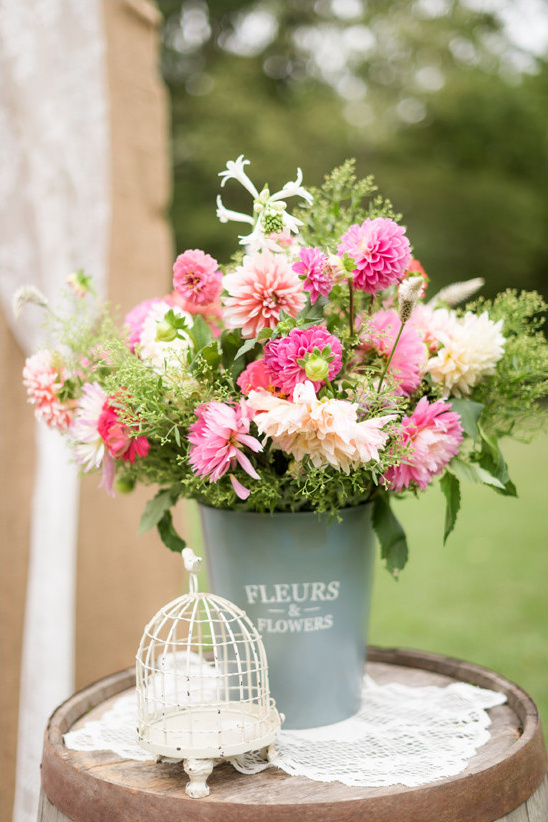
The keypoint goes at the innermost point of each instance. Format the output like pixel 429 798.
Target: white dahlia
pixel 472 346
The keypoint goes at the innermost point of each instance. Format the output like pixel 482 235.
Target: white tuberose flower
pixel 472 346
pixel 269 210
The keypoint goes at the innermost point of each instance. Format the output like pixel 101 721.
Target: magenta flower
pixel 381 251
pixel 254 377
pixel 434 434
pixel 287 357
pixel 217 438
pixel 197 278
pixel 121 440
pixel 410 358
pixel 313 268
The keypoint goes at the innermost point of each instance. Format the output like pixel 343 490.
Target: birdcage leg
pixel 198 771
pixel 271 753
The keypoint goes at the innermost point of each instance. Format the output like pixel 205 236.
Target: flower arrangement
pixel 312 373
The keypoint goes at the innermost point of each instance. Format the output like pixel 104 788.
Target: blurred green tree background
pixel 436 98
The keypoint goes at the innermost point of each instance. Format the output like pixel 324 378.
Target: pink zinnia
pixel 44 379
pixel 259 291
pixel 434 434
pixel 120 438
pixel 313 268
pixel 283 354
pixel 410 358
pixel 135 320
pixel 197 278
pixel 217 438
pixel 254 377
pixel 381 251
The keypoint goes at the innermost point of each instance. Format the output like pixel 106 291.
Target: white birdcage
pixel 202 683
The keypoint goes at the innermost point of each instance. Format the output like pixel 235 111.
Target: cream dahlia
pixel 327 431
pixel 472 346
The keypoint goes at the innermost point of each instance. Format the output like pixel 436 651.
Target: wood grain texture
pixel 506 772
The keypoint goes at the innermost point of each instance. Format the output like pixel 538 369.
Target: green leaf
pixel 492 460
pixel 155 509
pixel 264 334
pixel 450 486
pixel 230 342
pixel 469 412
pixel 472 472
pixel 168 534
pixel 312 313
pixel 209 354
pixel 390 534
pixel 249 345
pixel 200 333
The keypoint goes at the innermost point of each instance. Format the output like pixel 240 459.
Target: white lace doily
pixel 402 735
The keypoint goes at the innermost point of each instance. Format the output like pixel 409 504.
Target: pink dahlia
pixel 135 320
pixel 44 379
pixel 259 290
pixel 217 438
pixel 255 377
pixel 197 278
pixel 120 439
pixel 313 268
pixel 381 251
pixel 409 361
pixel 434 434
pixel 304 354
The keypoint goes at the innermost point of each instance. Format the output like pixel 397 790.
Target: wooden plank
pixel 101 787
pixel 48 812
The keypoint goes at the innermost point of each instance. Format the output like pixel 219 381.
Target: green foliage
pixel 391 535
pixel 450 487
pixel 521 377
pixel 338 204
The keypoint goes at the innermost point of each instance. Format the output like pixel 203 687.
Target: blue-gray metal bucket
pixel 305 581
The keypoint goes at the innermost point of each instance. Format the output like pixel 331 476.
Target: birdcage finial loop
pixel 193 565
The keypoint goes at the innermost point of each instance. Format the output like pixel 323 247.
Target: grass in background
pixel 482 597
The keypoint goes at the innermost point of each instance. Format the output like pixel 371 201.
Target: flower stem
pixel 351 306
pixel 389 360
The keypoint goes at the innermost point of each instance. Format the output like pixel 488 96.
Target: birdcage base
pixel 209 732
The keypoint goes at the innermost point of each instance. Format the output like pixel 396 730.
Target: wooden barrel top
pixel 99 786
